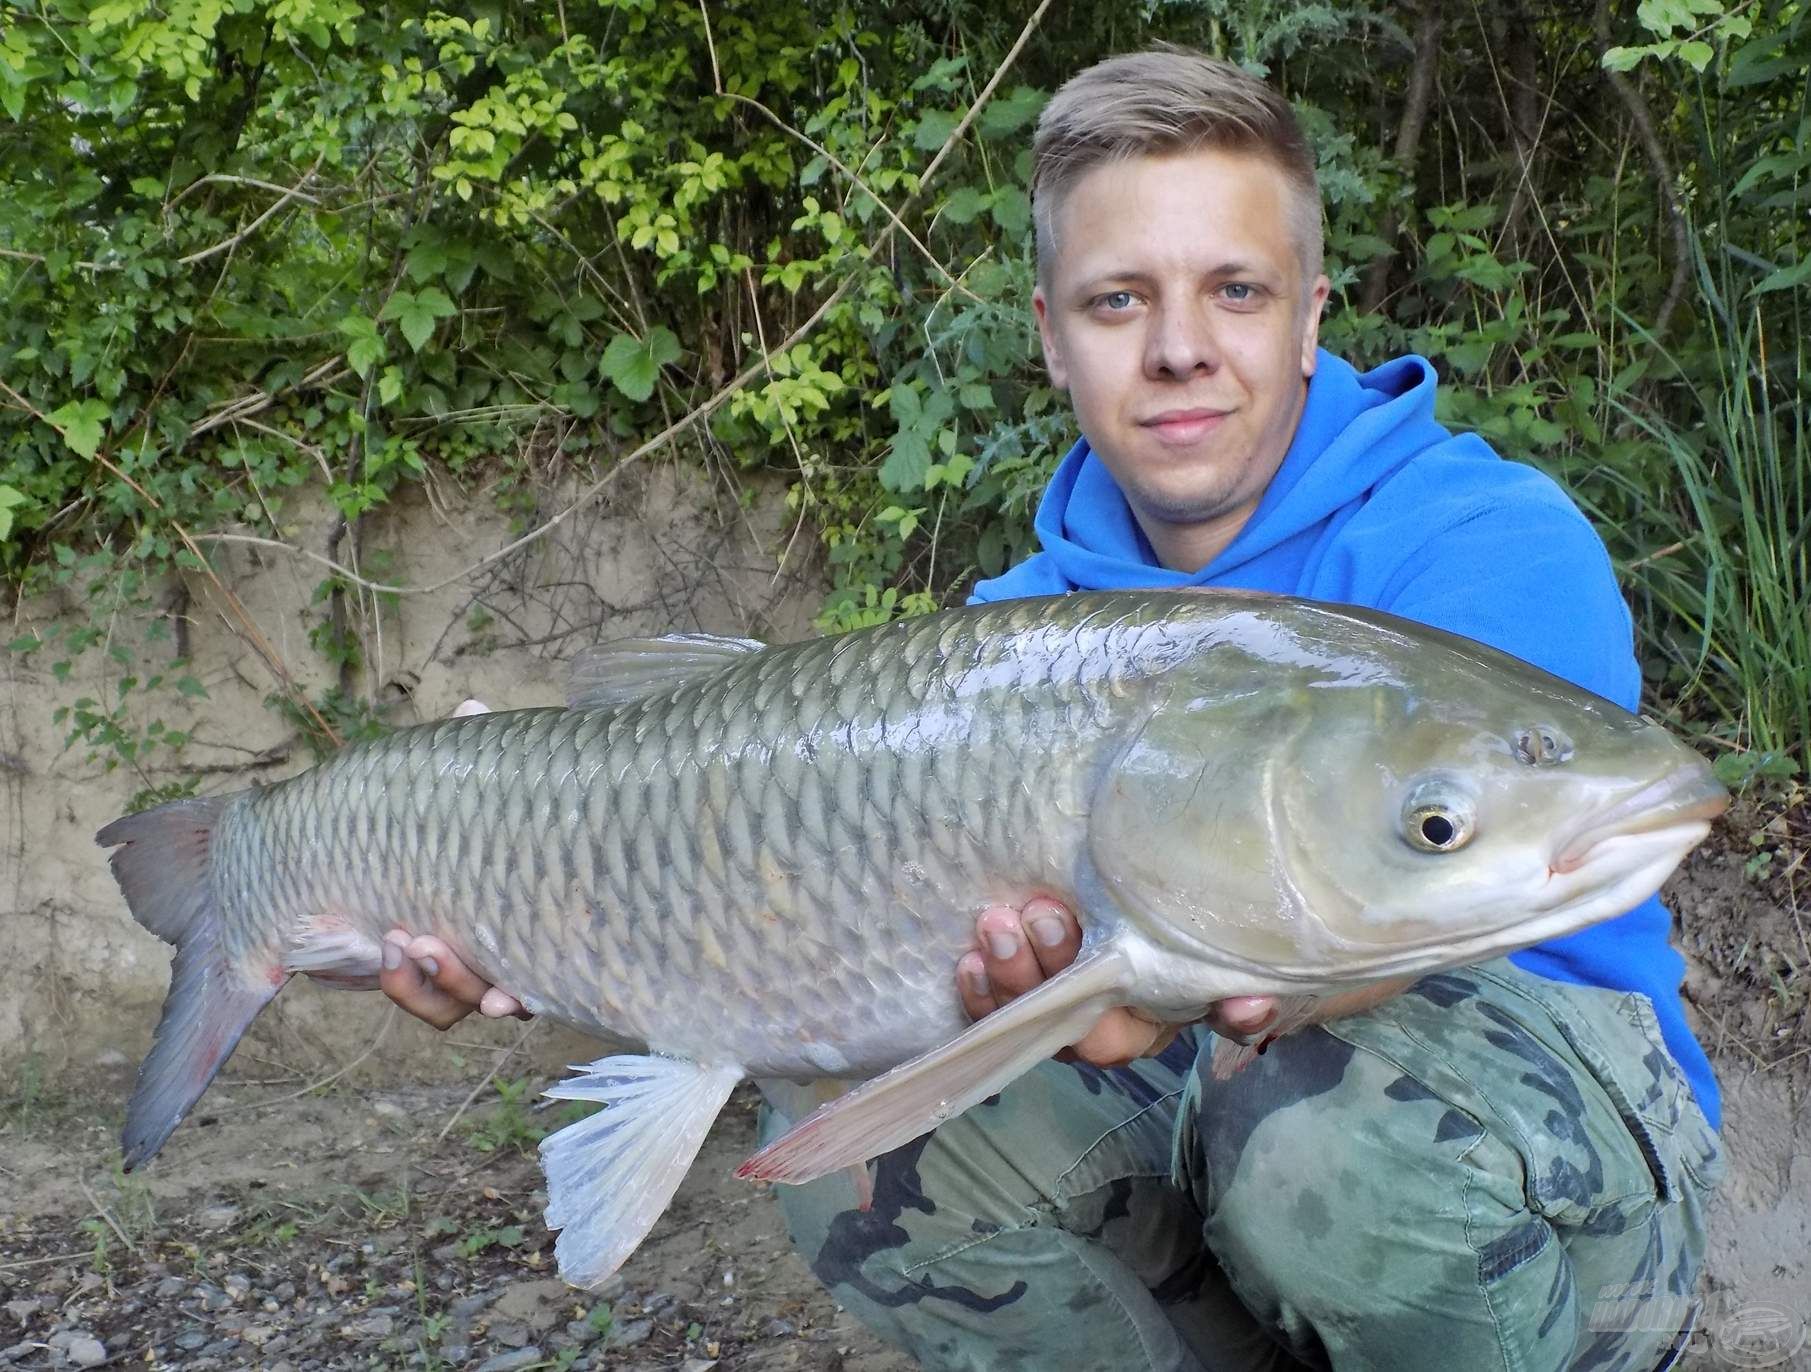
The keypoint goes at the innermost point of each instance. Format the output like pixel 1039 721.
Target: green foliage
pixel 249 246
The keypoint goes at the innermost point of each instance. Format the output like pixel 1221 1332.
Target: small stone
pixel 217 1216
pixel 191 1339
pixel 660 1303
pixel 17 1351
pixel 372 1327
pixel 171 1287
pixel 447 1252
pixel 213 1299
pixel 286 1292
pixel 452 1354
pixel 111 1057
pixel 237 1285
pixel 630 1334
pixel 512 1361
pixel 466 1307
pixel 511 1335
pixel 778 1329
pixel 89 1281
pixel 257 1335
pixel 86 1351
pixel 25 1309
pixel 390 1110
pixel 697 1365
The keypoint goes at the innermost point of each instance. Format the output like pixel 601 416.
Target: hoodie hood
pixel 1356 429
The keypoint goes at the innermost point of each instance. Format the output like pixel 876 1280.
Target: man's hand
pixel 1015 950
pixel 427 979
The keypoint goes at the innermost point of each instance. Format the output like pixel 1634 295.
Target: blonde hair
pixel 1164 101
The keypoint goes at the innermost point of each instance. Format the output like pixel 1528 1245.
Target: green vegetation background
pixel 251 246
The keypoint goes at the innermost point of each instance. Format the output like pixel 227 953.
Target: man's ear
pixel 1311 326
pixel 1053 351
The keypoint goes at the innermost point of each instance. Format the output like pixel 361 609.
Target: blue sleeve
pixel 1526 574
pixel 1036 575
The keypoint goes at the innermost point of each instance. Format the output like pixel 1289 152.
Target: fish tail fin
pixel 161 862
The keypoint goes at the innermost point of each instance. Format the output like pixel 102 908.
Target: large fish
pixel 765 862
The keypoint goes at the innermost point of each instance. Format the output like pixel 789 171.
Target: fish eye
pixel 1542 745
pixel 1436 818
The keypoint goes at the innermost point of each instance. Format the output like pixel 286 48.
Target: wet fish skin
pixel 766 862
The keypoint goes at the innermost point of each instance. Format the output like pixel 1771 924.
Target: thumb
pixel 1242 1017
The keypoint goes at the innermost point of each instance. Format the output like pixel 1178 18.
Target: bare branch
pixel 1408 141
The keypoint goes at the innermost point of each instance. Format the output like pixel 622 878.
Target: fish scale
pixel 766 862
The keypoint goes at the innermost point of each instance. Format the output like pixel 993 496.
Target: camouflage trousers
pixel 1493 1170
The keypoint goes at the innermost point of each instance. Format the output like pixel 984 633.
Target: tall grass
pixel 1734 587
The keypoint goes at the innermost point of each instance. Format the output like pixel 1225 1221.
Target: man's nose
pixel 1182 342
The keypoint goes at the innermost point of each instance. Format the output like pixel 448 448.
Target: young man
pixel 1501 1167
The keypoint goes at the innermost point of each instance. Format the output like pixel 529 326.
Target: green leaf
pixel 1786 277
pixel 416 312
pixel 367 347
pixel 8 498
pixel 389 386
pixel 1007 114
pixel 633 366
pixel 82 424
pixel 907 462
pixel 934 128
pixel 1696 53
pixel 1012 209
pixel 964 204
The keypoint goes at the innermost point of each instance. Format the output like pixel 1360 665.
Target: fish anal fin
pixel 611 1175
pixel 917 1096
pixel 628 669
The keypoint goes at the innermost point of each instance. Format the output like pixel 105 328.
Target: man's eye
pixel 1117 300
pixel 1238 292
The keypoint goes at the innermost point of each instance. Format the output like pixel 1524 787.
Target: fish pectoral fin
pixel 610 1176
pixel 917 1096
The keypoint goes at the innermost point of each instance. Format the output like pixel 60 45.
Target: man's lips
pixel 1183 426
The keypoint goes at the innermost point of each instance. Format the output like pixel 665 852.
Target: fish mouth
pixel 1683 800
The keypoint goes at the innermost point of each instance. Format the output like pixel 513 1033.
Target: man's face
pixel 1176 315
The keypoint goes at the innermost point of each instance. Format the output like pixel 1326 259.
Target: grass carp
pixel 765 861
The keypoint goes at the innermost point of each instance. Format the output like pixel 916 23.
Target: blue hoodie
pixel 1376 504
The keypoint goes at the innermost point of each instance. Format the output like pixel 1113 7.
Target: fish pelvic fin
pixel 1232 1056
pixel 161 861
pixel 919 1095
pixel 611 1175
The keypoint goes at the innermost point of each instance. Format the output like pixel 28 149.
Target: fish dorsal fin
pixel 628 669
pixel 610 1176
pixel 919 1095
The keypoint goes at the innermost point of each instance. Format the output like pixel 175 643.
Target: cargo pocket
pixel 1615 1037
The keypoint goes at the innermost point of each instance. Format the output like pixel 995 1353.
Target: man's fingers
pixel 1052 933
pixel 403 981
pixel 1241 1017
pixel 1012 968
pixel 973 986
pixel 443 967
pixel 497 1004
pixel 1120 1037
